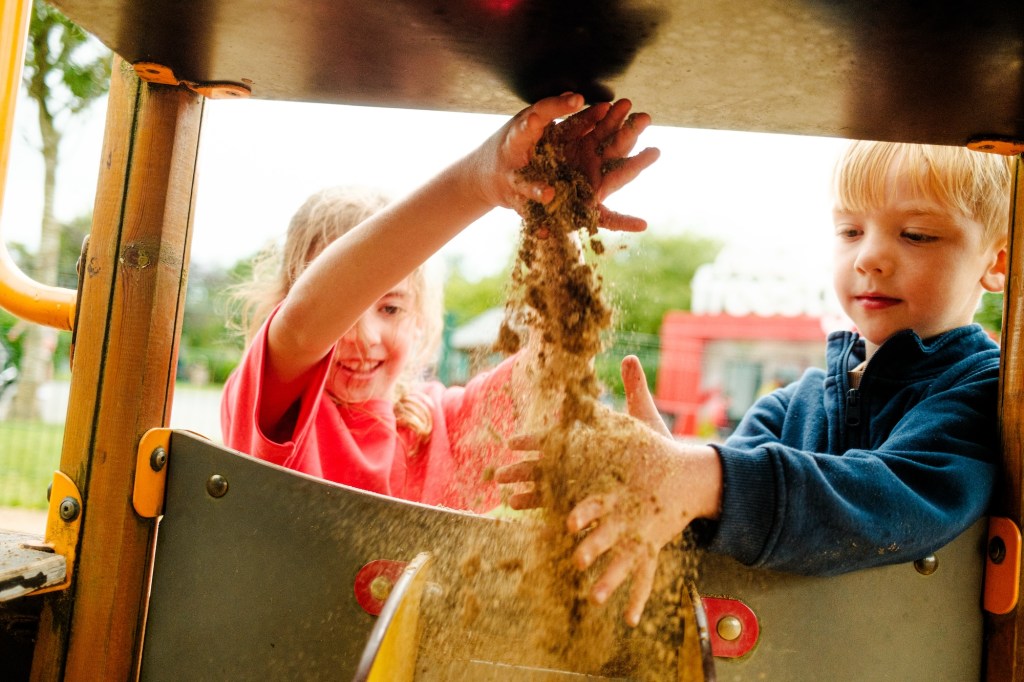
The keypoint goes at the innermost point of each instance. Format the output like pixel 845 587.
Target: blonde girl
pixel 327 385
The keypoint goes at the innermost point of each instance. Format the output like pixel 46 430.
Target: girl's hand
pixel 596 141
pixel 522 474
pixel 670 486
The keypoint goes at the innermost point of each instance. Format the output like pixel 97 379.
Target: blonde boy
pixel 886 455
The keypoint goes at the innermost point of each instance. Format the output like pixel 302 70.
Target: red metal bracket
pixel 374 582
pixel 733 627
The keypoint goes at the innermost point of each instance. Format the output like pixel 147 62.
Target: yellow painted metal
pixel 14 20
pixel 396 657
pixel 19 294
pixel 163 75
pixel 62 533
pixel 150 483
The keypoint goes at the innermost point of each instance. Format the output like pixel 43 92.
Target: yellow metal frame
pixel 151 476
pixel 20 295
pixel 61 532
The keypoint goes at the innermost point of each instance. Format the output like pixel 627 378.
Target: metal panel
pixel 258 584
pixel 890 623
pixel 900 69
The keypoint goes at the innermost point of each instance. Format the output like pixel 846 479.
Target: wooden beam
pixel 1005 634
pixel 123 374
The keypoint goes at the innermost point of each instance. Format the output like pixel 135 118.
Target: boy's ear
pixel 994 277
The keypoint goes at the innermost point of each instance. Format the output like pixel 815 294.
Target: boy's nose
pixel 873 256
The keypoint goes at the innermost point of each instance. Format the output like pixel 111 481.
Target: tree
pixel 645 276
pixel 65 72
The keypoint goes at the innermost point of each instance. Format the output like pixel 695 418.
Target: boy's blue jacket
pixel 820 481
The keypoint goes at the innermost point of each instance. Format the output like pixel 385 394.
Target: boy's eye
pixel 390 309
pixel 918 237
pixel 846 231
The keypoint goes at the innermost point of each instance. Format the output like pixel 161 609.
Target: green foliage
pixel 464 299
pixel 647 275
pixel 72 234
pixel 65 70
pixel 644 277
pixel 207 337
pixel 990 313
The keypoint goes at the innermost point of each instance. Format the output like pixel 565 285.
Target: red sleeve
pixel 240 405
pixel 480 417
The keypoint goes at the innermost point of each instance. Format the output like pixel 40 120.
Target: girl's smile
pixel 370 358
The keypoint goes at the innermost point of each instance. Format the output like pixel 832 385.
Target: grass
pixel 29 454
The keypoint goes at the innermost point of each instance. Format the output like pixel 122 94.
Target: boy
pixel 889 453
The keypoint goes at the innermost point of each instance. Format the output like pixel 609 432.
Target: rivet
pixel 729 628
pixel 49 491
pixel 69 509
pixel 158 458
pixel 217 486
pixel 927 565
pixel 996 550
pixel 380 587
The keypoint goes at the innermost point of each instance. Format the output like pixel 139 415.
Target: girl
pixel 327 385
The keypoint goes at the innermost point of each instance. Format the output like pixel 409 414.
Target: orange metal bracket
pixel 1002 566
pixel 63 524
pixel 151 473
pixel 997 145
pixel 163 75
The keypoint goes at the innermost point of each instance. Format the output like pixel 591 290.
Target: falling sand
pixel 526 596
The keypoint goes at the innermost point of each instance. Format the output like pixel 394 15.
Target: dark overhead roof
pixel 938 71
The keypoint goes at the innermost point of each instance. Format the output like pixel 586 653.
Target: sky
pixel 764 195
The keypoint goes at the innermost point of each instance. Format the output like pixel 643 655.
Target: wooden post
pixel 1005 634
pixel 123 375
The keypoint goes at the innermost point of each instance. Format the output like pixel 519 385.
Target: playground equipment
pixel 172 560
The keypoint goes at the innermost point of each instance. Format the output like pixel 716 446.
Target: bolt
pixel 217 486
pixel 927 565
pixel 729 628
pixel 69 509
pixel 380 587
pixel 49 490
pixel 996 550
pixel 158 458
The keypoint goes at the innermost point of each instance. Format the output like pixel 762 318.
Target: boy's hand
pixel 669 487
pixel 596 141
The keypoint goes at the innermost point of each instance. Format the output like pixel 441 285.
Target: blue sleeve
pixel 788 508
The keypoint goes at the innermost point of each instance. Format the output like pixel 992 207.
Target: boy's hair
pixel 975 184
pixel 322 218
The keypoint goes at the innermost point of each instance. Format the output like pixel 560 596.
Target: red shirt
pixel 360 444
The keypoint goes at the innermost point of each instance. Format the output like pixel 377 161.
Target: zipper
pixel 853 407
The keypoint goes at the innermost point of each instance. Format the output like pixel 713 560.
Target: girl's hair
pixel 975 184
pixel 322 218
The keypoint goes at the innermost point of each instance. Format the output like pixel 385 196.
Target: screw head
pixel 996 550
pixel 729 628
pixel 927 565
pixel 217 486
pixel 158 458
pixel 69 509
